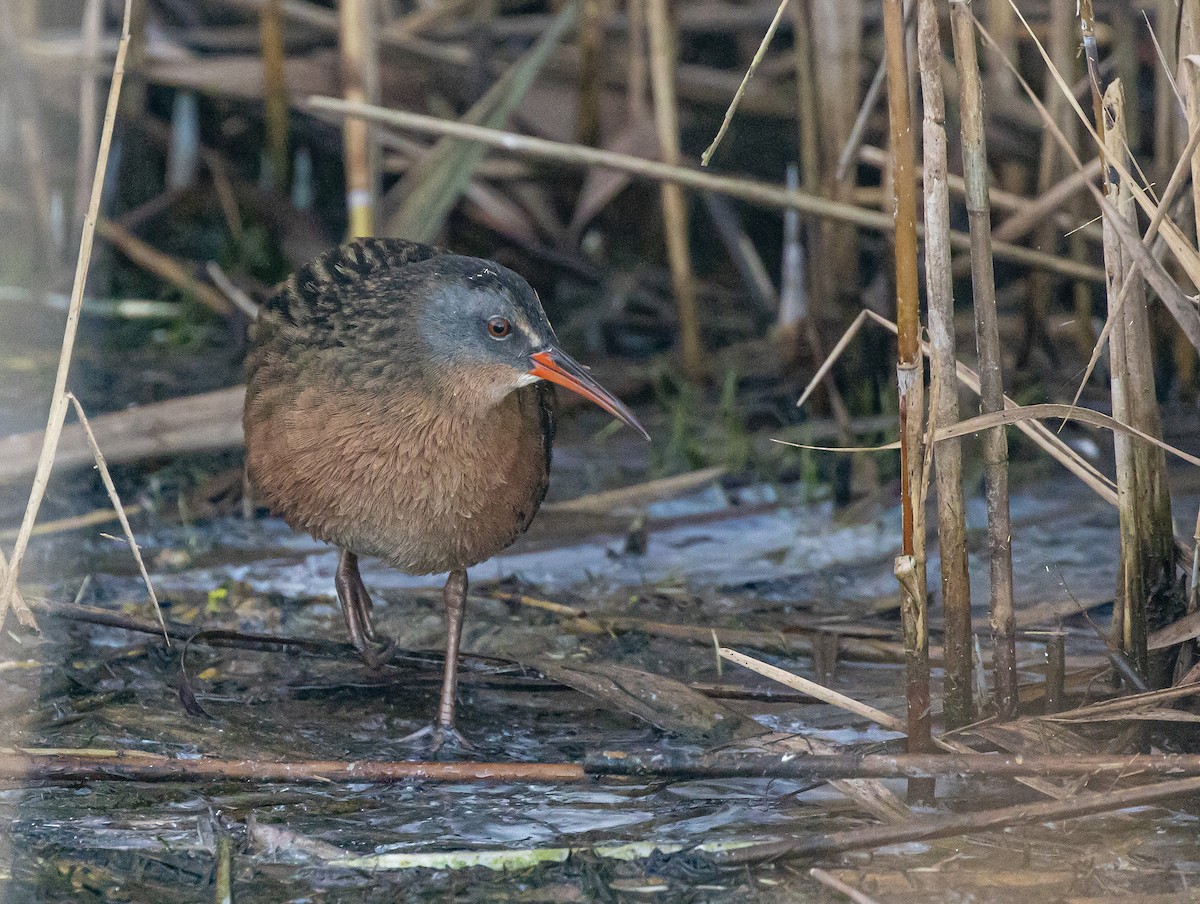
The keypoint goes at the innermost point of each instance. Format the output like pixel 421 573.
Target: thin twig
pixel 737 97
pixel 817 691
pixel 119 508
pixel 832 881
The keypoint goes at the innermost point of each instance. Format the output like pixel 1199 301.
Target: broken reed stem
pixel 952 529
pixel 119 509
pixel 275 99
pixel 910 382
pixel 987 336
pixel 10 597
pixel 355 30
pixel 750 190
pixel 675 213
pixel 814 690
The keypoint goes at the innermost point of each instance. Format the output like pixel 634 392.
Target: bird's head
pixel 484 323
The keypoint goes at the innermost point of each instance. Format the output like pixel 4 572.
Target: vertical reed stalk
pixel 1002 23
pixel 636 87
pixel 836 34
pixel 270 30
pixel 806 99
pixel 594 18
pixel 939 288
pixel 354 38
pixel 1042 286
pixel 93 26
pixel 1165 109
pixel 1190 85
pixel 1147 541
pixel 987 337
pixel 675 215
pixel 1130 627
pixel 910 384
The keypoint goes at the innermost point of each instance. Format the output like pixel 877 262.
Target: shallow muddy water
pixel 749 560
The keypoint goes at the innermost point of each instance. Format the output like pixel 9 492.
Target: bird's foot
pixel 375 652
pixel 440 739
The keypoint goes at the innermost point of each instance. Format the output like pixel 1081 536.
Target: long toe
pixel 440 741
pixel 375 653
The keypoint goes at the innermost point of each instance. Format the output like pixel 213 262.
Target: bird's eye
pixel 499 328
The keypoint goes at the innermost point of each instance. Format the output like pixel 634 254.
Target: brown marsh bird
pixel 398 405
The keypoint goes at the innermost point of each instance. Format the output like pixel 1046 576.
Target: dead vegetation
pixel 241 136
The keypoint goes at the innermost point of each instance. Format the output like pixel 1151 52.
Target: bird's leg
pixel 442 732
pixel 356 607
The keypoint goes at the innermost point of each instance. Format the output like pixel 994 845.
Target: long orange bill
pixel 559 367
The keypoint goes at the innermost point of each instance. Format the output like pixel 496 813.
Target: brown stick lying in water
pixel 116 765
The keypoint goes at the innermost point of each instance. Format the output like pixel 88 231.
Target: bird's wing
pixel 317 287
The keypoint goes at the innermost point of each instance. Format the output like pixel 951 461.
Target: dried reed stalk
pixel 10 596
pixel 1046 235
pixel 93 27
pixel 636 87
pixel 1190 80
pixel 1165 94
pixel 746 189
pixel 806 98
pixel 270 30
pixel 663 51
pixel 120 511
pixel 836 34
pixel 910 377
pixel 593 22
pixel 354 45
pixel 1003 25
pixel 987 336
pixel 952 529
pixel 1181 308
pixel 1147 559
pixel 1038 210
